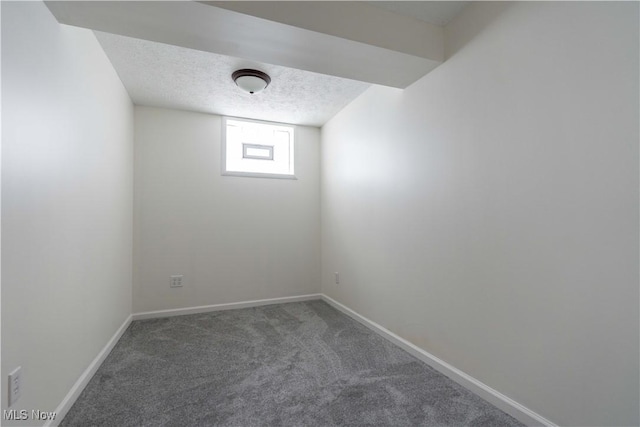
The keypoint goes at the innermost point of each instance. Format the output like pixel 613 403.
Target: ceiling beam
pixel 352 20
pixel 208 28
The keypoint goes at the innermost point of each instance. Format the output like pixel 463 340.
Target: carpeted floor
pixel 297 364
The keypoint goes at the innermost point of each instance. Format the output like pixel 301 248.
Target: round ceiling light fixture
pixel 252 81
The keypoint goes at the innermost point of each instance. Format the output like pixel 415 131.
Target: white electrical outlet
pixel 176 281
pixel 337 277
pixel 15 385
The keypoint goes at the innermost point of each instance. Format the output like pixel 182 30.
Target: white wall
pixel 489 213
pixel 233 238
pixel 67 203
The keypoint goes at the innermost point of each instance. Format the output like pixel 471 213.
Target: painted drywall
pixel 233 238
pixel 489 212
pixel 67 203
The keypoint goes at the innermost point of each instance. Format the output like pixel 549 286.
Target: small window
pixel 257 149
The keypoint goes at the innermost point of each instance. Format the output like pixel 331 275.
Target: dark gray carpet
pixel 298 364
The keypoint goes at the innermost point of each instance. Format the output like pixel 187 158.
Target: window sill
pixel 259 175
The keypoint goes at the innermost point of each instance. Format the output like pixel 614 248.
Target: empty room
pixel 310 213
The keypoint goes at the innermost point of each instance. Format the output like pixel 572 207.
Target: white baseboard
pixel 218 307
pixel 86 376
pixel 504 403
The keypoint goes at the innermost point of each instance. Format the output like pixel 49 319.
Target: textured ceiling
pixel 162 75
pixel 433 12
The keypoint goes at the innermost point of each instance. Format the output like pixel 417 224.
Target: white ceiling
pixel 163 75
pixel 434 12
pixel 180 55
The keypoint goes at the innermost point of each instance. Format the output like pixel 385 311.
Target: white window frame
pixel 223 159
